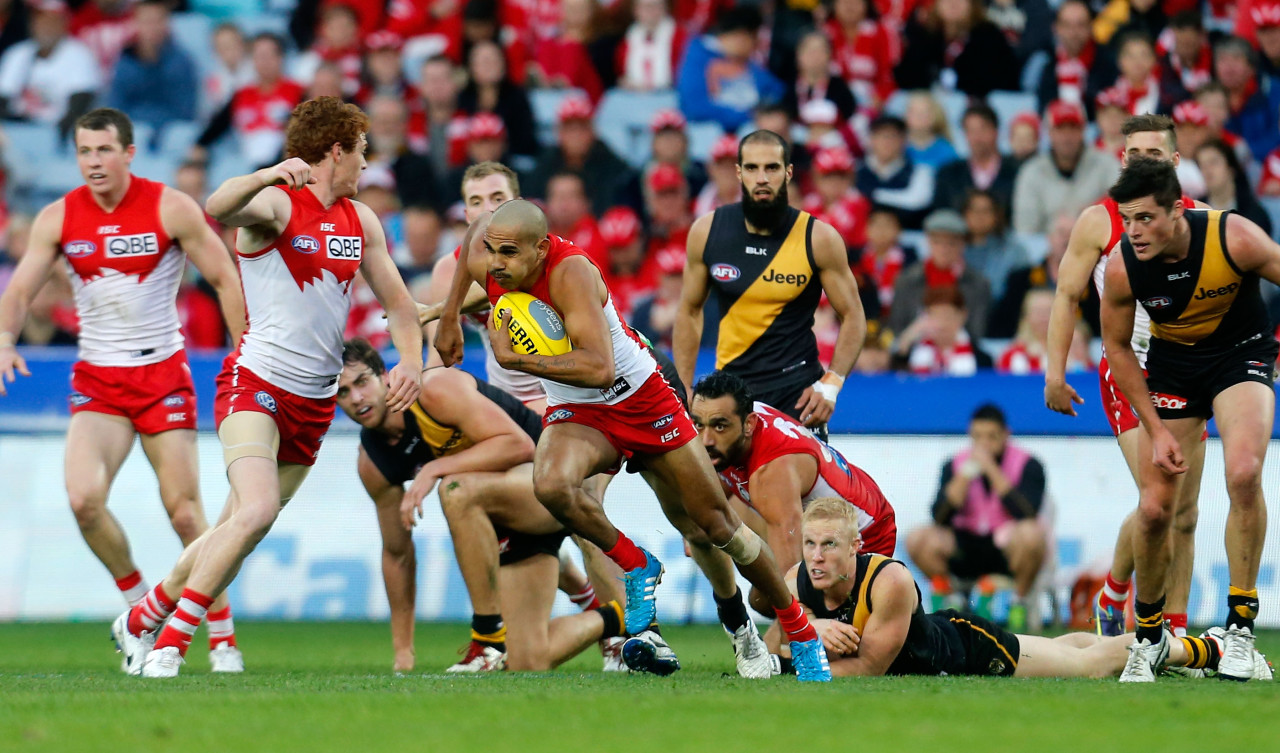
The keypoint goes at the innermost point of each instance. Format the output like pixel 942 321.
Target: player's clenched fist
pixel 403 385
pixel 293 173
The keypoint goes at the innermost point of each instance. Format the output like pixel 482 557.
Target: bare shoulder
pixel 50 218
pixel 696 241
pixel 894 582
pixel 446 382
pixel 1091 230
pixel 828 246
pixel 368 218
pixel 1248 245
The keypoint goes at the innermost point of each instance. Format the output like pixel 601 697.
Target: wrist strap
pixel 829 391
pixel 7 340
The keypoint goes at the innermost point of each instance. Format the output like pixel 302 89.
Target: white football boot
pixel 751 655
pixel 163 662
pixel 1145 658
pixel 132 648
pixel 480 658
pixel 226 658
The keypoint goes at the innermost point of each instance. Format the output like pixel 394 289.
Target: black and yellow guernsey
pixel 767 289
pixel 1202 304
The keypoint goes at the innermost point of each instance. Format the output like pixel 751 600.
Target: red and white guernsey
pixel 1141 340
pixel 298 294
pixel 125 271
pixel 632 363
pixel 776 435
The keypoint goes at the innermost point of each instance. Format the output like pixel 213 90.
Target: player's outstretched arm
pixel 405 378
pixel 1091 231
pixel 693 296
pixel 437 293
pixel 243 202
pixel 884 635
pixel 469 269
pixel 399 562
pixel 819 401
pixel 184 220
pixel 30 275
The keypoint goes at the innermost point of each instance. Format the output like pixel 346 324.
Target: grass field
pixel 327 687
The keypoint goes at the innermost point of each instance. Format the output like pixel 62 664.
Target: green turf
pixel 327 687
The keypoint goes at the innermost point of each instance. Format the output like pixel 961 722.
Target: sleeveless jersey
pixel 125 271
pixel 523 386
pixel 777 435
pixel 298 293
pixel 1203 301
pixel 632 363
pixel 425 439
pixel 767 289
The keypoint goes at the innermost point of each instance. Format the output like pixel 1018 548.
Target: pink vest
pixel 983 513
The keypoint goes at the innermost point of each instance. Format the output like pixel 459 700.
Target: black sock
pixel 787 667
pixel 611 613
pixel 488 628
pixel 1150 618
pixel 1242 607
pixel 733 613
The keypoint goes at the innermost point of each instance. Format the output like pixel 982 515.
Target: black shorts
pixel 981 647
pixel 785 399
pixel 977 556
pixel 668 368
pixel 1183 383
pixel 514 546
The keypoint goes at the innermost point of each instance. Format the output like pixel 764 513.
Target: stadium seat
pixel 702 136
pixel 622 121
pixel 177 137
pixel 1009 105
pixel 194 32
pixel 155 166
pixel 144 136
pixel 545 103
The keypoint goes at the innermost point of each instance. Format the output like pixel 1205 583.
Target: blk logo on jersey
pixel 265 399
pixel 725 272
pixel 129 246
pixel 79 249
pixel 346 247
pixel 305 244
pixel 1157 303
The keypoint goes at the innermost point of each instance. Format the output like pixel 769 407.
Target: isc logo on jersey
pixel 139 244
pixel 725 272
pixel 345 247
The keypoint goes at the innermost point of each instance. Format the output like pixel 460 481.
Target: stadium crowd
pixel 950 143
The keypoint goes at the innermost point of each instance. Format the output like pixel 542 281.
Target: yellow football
pixel 535 328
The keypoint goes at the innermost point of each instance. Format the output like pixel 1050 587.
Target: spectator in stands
pixel 1228 184
pixel 864 51
pixel 17 233
pixel 569 215
pixel 1026 24
pixel 888 175
pixel 49 78
pixel 945 231
pixel 881 261
pixel 1004 317
pixel 339 44
pixel 1121 17
pixel 985 168
pixel 1138 84
pixel 1252 114
pixel 1024 141
pixel 1028 353
pixel 630 279
pixel 1067 179
pixel 258 112
pixel 232 69
pixel 420 244
pixel 670 146
pixel 489 21
pixel 1216 101
pixel 105 27
pixel 650 53
pixel 655 315
pixel 1191 129
pixel 1186 59
pixel 13 23
pixel 986 514
pixel 383 72
pixel 51 318
pixel 306 18
pixel 155 79
pixel 1111 110
pixel 1266 18
pixel 443 131
pixel 928 135
pixel 415 180
pixel 192 178
pixel 990 248
pixel 327 81
pixel 834 199
pixel 718 80
pixel 824 129
pixel 953 44
pixel 564 62
pixel 814 80
pixel 724 187
pixel 1269 181
pixel 875 357
pixel 486 142
pixel 1081 67
pixel 667 208
pixel 199 312
pixel 490 90
pixel 580 152
pixel 936 342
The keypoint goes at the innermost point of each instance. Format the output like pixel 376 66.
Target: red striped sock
pixel 1177 623
pixel 586 598
pixel 626 554
pixel 182 626
pixel 151 611
pixel 221 627
pixel 795 624
pixel 133 587
pixel 1114 594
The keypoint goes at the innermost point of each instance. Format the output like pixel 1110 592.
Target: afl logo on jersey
pixel 345 247
pixel 79 249
pixel 725 272
pixel 559 415
pixel 265 399
pixel 174 401
pixel 305 244
pixel 1157 303
pixel 141 244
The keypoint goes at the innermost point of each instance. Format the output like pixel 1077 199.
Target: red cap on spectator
pixel 671 259
pixel 726 147
pixel 668 118
pixel 1190 112
pixel 486 125
pixel 1265 14
pixel 1027 118
pixel 1112 97
pixel 619 226
pixel 665 177
pixel 575 108
pixel 833 160
pixel 49 6
pixel 819 112
pixel 384 40
pixel 1063 113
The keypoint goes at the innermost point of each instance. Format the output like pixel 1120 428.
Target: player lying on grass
pixel 476 442
pixel 867 608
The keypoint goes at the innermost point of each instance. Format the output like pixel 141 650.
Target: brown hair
pixel 485 169
pixel 1152 123
pixel 103 118
pixel 317 124
pixel 942 295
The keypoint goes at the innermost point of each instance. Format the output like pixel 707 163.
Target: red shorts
pixel 651 421
pixel 1120 412
pixel 156 397
pixel 302 421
